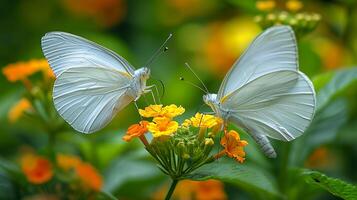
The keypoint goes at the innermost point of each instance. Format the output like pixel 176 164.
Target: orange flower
pixel 37 169
pixel 21 70
pixel 89 176
pixel 233 146
pixel 265 5
pixel 210 189
pixel 67 162
pixel 105 12
pixel 18 109
pixel 199 190
pixel 136 130
pixel 321 158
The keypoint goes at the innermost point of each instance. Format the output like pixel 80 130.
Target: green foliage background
pixel 328 56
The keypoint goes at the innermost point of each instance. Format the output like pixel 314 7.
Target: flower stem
pixel 171 190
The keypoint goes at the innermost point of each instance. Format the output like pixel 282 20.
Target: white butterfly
pixel 265 93
pixel 93 83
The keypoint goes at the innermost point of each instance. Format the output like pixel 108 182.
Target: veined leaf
pixel 335 186
pixel 341 80
pixel 244 175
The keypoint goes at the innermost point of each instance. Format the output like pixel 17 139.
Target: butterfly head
pixel 211 100
pixel 143 73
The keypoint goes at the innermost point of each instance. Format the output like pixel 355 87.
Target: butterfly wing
pixel 89 97
pixel 273 50
pixel 279 104
pixel 64 51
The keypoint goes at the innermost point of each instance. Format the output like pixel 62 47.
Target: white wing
pixel 89 97
pixel 280 105
pixel 64 51
pixel 273 50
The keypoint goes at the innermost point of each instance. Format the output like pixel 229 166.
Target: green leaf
pixel 335 186
pixel 247 176
pixel 245 5
pixel 130 168
pixel 341 80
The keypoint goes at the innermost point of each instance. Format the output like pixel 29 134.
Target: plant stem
pixel 284 175
pixel 171 190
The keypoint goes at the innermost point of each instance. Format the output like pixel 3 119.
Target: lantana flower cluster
pixel 69 168
pixel 182 148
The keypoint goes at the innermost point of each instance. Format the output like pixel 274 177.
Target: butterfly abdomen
pixel 264 144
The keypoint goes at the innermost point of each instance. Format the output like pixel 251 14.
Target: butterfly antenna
pixel 200 107
pixel 159 51
pixel 192 84
pixel 193 72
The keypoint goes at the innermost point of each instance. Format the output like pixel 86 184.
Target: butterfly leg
pixel 149 90
pixel 157 93
pixel 137 108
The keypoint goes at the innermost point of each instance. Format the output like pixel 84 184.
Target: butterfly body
pixel 138 84
pixel 265 93
pixel 92 83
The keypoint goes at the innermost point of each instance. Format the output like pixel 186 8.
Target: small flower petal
pixel 233 145
pixel 162 126
pixel 202 120
pixel 136 130
pixel 151 111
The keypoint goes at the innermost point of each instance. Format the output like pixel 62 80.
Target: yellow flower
pixel 18 109
pixel 151 111
pixel 172 111
pixel 202 120
pixel 21 70
pixel 67 162
pixel 162 126
pixel 233 146
pixel 160 111
pixel 294 5
pixel 265 5
pixel 186 123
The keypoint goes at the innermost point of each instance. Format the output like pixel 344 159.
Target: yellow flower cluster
pixel 202 120
pixel 170 111
pixel 162 123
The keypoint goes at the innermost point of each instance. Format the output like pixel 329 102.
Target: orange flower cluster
pixel 161 125
pixel 199 190
pixel 21 70
pixel 18 109
pixel 233 146
pixel 37 169
pixel 87 174
pixel 105 12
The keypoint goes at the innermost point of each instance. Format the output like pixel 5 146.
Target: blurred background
pixel 210 36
